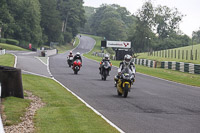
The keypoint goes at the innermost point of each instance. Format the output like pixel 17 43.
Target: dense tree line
pixel 41 21
pixel 150 28
pixel 157 28
pixel 109 21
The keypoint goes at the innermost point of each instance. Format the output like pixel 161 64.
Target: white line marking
pixel 15 65
pixel 36 74
pixel 48 68
pixel 98 113
pixel 41 60
pixel 108 121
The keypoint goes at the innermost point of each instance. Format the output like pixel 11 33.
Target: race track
pixel 153 105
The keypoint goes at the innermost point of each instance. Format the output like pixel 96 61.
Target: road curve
pixel 153 105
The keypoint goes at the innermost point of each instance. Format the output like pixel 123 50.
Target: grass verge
pixel 63 111
pixel 176 76
pixel 11 47
pixel 14 108
pixel 64 48
pixel 7 60
pixel 179 52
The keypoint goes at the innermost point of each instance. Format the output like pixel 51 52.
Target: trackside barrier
pixel 145 62
pixel 102 55
pixel 2 52
pixel 181 66
pixel 47 53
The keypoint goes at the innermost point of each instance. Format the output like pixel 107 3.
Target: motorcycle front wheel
pixel 75 72
pixel 105 74
pixel 126 90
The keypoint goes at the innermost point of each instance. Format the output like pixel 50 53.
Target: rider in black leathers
pixel 77 56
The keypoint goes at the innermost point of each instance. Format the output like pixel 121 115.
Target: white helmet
pixel 127 59
pixel 106 56
pixel 77 53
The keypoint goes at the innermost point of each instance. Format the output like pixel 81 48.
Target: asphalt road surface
pixel 27 61
pixel 153 105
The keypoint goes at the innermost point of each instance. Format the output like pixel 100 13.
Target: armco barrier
pixel 181 66
pixel 145 62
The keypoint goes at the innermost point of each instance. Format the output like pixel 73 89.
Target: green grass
pixel 7 60
pixel 69 46
pixel 176 76
pixel 14 108
pixel 97 47
pixel 11 47
pixel 178 58
pixel 63 112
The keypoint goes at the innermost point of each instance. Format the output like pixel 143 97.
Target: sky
pixel 190 8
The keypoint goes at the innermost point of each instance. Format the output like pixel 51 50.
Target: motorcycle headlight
pixel 106 67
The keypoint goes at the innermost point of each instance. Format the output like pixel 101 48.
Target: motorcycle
pixel 124 82
pixel 70 60
pixel 106 67
pixel 76 66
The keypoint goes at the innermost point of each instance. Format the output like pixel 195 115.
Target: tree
pixel 50 21
pixel 72 15
pixel 26 25
pixel 166 20
pixel 196 36
pixel 112 29
pixel 111 21
pixel 141 32
pixel 6 20
pixel 154 26
pixel 89 11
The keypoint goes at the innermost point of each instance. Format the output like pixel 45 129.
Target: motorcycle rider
pixel 125 63
pixel 106 58
pixel 70 54
pixel 77 56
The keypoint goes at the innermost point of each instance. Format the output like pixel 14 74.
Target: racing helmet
pixel 70 52
pixel 106 56
pixel 78 53
pixel 127 59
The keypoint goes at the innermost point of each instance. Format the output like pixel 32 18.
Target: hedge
pixel 12 41
pixel 2 40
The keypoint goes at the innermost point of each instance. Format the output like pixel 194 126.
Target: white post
pixel 1 124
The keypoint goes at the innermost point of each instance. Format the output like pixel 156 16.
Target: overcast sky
pixel 190 8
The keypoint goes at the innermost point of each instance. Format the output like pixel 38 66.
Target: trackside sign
pixel 118 44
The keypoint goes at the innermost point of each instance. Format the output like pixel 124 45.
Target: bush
pixel 12 41
pixel 110 51
pixel 2 40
